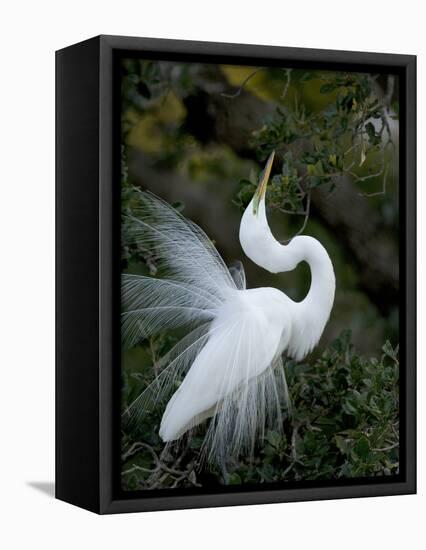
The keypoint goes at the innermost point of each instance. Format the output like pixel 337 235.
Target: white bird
pixel 228 366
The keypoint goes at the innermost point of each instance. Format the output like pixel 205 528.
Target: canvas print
pixel 259 276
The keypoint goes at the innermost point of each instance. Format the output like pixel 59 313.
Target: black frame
pixel 87 272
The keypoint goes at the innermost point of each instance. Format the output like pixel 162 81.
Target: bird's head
pixel 254 224
pixel 255 235
pixel 257 204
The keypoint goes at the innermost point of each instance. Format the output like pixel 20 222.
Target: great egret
pixel 230 358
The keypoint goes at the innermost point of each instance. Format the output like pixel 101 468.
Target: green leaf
pixel 389 351
pixel 273 438
pixel 342 444
pixel 362 447
pixel 234 479
pixel 327 88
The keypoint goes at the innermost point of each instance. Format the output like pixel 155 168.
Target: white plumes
pixel 171 369
pixel 228 365
pixel 153 305
pixel 184 251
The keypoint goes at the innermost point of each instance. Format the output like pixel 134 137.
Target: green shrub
pixel 344 424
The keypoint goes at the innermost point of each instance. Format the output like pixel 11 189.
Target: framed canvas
pixel 235 274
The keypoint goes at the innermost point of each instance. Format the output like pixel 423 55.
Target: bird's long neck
pixel 313 311
pixel 309 316
pixel 308 249
pixel 323 283
pixel 259 244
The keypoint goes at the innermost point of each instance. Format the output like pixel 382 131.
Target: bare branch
pixel 287 84
pixel 245 81
pixel 154 356
pixel 383 190
pixel 293 443
pixel 389 91
pixel 292 212
pixel 389 448
pixel 136 447
pixel 307 212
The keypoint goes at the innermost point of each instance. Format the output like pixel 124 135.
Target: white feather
pixel 229 364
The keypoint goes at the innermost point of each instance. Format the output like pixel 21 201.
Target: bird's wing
pixel 182 251
pixel 196 283
pixel 233 379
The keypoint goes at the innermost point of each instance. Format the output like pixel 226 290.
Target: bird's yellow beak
pixel 261 190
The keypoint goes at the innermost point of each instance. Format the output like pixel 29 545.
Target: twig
pixel 137 468
pixel 154 356
pixel 383 190
pixel 286 471
pixel 312 428
pixel 137 447
pixel 287 84
pixel 293 443
pixel 240 89
pixel 354 146
pixel 306 213
pixel 292 212
pixel 383 449
pixel 161 471
pixel 308 210
pixel 389 91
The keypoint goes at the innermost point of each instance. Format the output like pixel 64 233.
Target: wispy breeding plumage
pixel 228 367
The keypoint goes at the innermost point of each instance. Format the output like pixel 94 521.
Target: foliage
pixel 344 423
pixel 348 136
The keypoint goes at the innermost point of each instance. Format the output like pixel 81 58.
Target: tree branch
pixel 245 81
